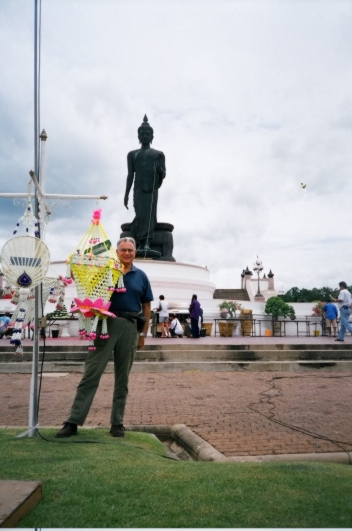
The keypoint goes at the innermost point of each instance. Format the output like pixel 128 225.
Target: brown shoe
pixel 117 430
pixel 67 430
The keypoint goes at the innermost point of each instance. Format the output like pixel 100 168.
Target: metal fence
pixel 261 326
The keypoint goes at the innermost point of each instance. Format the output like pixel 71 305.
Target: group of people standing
pixel 171 326
pixel 344 301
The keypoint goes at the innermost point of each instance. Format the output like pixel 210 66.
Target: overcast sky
pixel 247 100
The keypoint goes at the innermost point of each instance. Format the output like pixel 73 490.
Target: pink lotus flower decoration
pixel 66 281
pixel 91 308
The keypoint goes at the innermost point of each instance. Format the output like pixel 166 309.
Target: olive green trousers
pixel 122 342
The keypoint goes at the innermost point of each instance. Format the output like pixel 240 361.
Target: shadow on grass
pixel 112 483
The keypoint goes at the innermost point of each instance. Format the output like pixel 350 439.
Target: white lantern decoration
pixel 25 261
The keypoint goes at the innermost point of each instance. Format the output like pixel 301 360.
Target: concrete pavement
pixel 239 413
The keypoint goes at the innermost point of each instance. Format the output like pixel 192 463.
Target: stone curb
pixel 201 450
pixel 331 457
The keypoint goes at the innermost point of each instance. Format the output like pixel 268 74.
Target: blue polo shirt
pixel 4 321
pixel 330 310
pixel 138 291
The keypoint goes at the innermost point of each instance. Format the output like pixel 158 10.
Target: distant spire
pixel 270 274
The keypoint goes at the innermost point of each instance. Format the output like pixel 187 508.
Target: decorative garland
pixel 96 270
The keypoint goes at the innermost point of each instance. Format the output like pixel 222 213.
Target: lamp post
pixel 258 267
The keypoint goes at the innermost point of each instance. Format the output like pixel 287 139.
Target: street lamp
pixel 258 267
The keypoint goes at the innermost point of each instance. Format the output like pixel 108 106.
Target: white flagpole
pixel 33 399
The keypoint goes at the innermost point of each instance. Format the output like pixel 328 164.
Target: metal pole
pixel 33 399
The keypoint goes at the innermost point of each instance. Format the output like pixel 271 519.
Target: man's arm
pixel 338 299
pixel 130 176
pixel 146 312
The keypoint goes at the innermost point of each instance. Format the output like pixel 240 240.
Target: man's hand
pixel 125 202
pixel 140 342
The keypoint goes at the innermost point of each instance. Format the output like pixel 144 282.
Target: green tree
pixel 276 307
pixel 310 295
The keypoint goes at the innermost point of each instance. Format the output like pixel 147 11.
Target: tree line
pixel 310 295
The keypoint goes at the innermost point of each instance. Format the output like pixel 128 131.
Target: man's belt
pixel 130 316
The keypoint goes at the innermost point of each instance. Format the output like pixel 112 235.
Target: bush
pixel 318 309
pixel 276 307
pixel 230 306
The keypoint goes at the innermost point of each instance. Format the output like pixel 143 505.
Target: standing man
pixel 344 300
pixel 331 314
pixel 123 341
pixel 163 316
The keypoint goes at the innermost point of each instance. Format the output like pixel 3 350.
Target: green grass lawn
pixel 119 485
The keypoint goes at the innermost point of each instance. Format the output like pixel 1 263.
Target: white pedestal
pixel 176 281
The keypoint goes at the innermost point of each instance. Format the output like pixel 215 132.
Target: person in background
pixel 4 324
pixel 194 313
pixel 163 316
pixel 331 314
pixel 201 317
pixel 344 300
pixel 188 329
pixel 175 326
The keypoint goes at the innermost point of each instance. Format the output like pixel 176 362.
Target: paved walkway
pixel 230 410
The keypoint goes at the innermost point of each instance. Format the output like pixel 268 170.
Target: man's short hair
pixel 126 239
pixel 161 297
pixel 343 285
pixel 173 315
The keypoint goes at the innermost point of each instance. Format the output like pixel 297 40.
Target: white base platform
pixel 176 281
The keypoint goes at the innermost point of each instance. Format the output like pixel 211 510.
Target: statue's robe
pixel 149 170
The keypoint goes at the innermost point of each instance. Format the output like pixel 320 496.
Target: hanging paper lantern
pixel 96 271
pixel 25 261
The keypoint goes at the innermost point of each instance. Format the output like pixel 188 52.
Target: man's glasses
pixel 130 251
